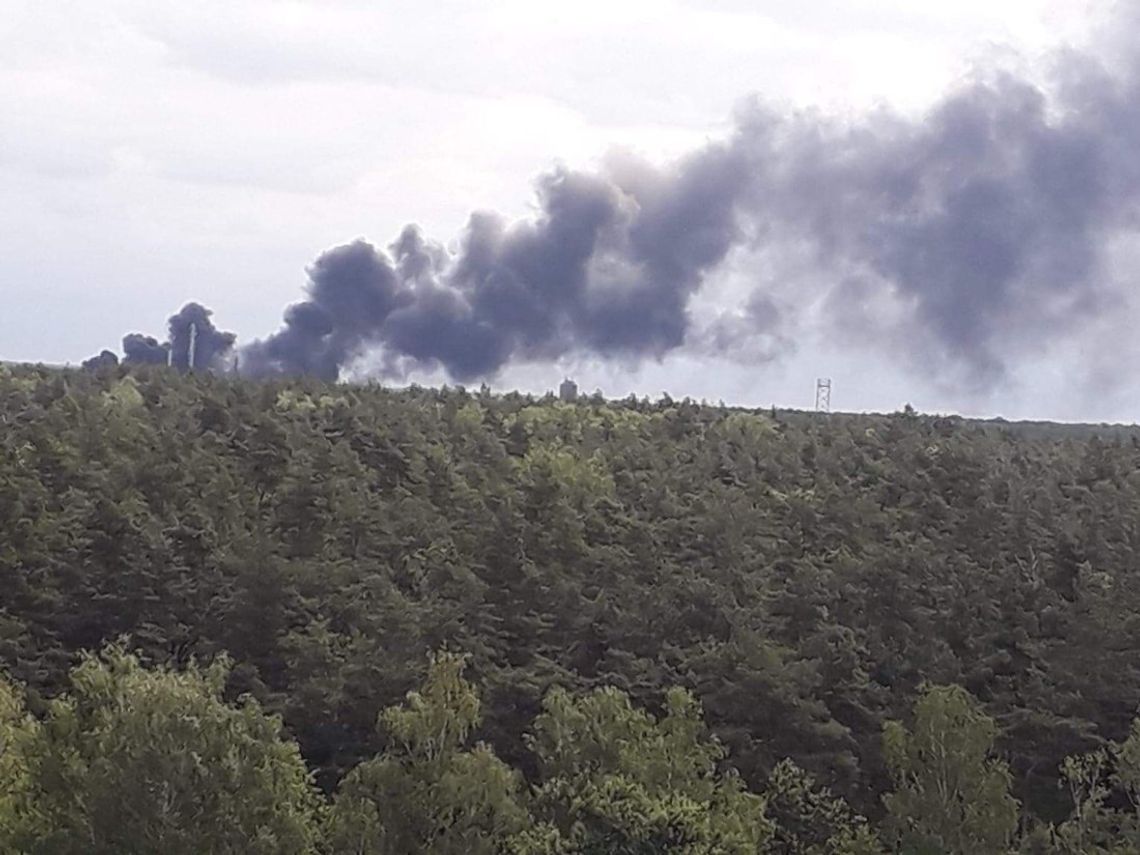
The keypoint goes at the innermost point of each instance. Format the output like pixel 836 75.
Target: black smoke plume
pixel 960 240
pixel 608 266
pixel 139 349
pixel 103 359
pixel 191 334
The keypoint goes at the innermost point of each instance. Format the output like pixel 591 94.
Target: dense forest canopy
pixel 655 624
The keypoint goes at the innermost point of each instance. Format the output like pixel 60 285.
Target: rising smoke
pixel 608 267
pixel 961 239
pixel 194 343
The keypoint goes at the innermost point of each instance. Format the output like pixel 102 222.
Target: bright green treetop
pixel 428 792
pixel 951 796
pixel 141 761
pixel 618 780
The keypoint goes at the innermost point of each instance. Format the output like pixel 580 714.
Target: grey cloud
pixel 988 218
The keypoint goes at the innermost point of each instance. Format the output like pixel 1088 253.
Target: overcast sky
pixel 156 152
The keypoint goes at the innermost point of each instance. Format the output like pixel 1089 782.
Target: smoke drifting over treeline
pixel 194 343
pixel 960 239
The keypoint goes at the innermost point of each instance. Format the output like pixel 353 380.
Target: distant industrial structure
pixel 823 395
pixel 568 391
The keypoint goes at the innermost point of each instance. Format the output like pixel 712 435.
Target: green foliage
pixel 137 761
pixel 124 395
pixel 802 577
pixel 17 731
pixel 553 468
pixel 426 793
pixel 950 795
pixel 615 779
pixel 1091 828
pixel 1105 789
pixel 809 820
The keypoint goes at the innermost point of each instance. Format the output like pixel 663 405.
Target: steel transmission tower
pixel 823 395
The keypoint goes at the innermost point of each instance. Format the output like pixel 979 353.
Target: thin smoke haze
pixel 961 240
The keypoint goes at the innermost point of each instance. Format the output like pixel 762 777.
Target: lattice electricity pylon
pixel 823 395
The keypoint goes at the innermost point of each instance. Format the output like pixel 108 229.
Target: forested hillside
pixel 289 558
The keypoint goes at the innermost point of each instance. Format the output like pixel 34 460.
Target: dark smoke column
pixel 608 267
pixel 195 343
pixel 192 334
